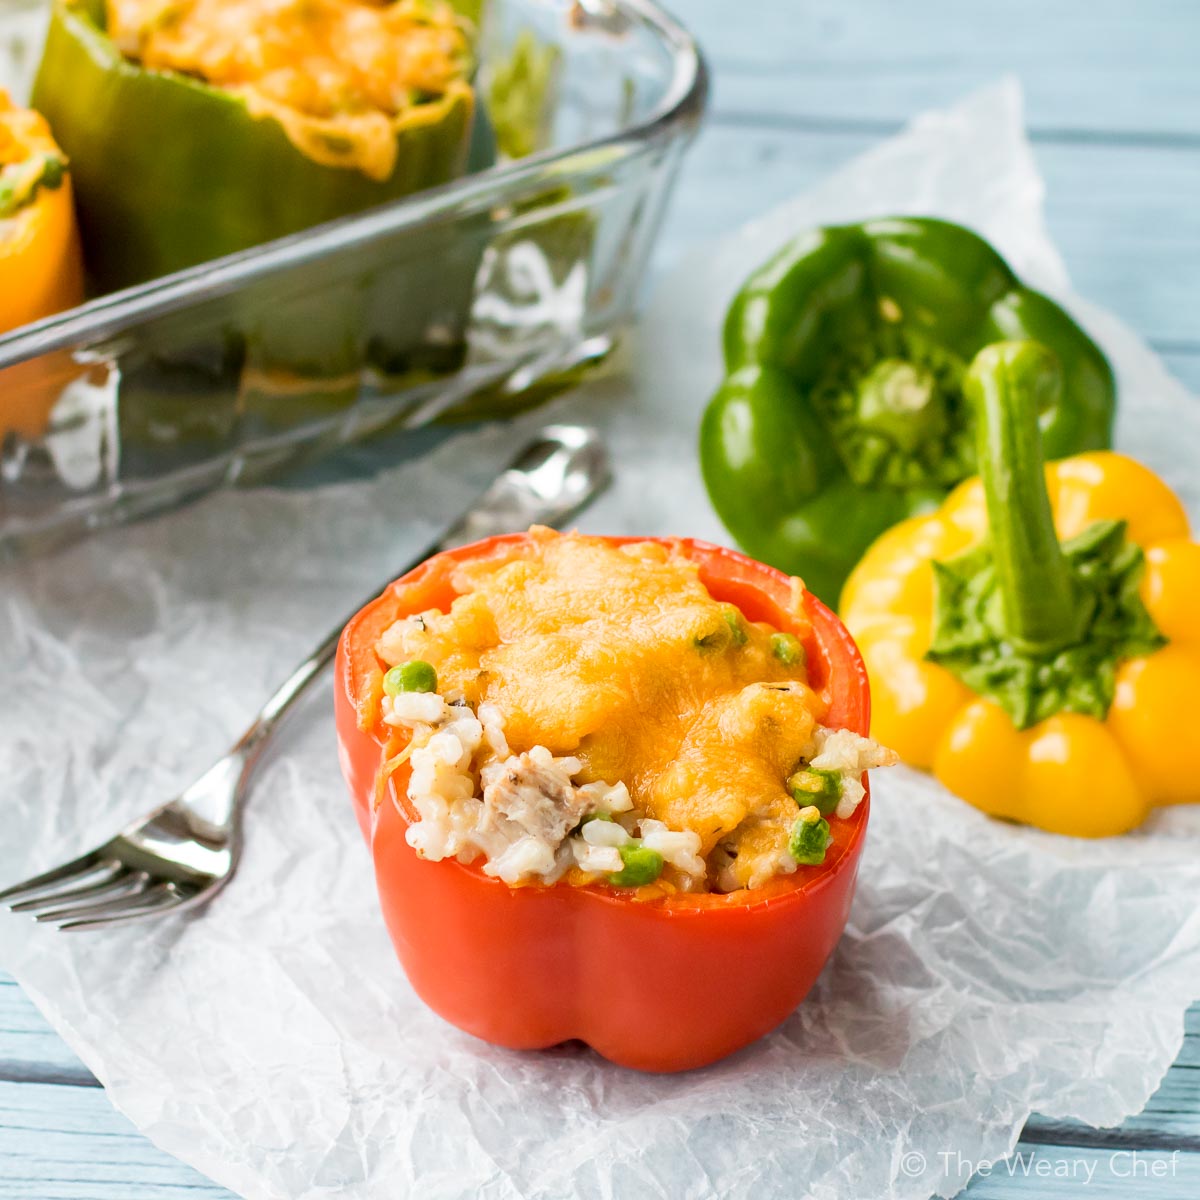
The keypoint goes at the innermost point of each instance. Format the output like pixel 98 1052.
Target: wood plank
pixel 1126 218
pixel 1049 1172
pixel 1170 1120
pixel 33 1051
pixel 69 1143
pixel 1185 366
pixel 1110 68
pixel 1189 1056
pixel 29 1048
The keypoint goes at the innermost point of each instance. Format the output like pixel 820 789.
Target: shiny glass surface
pixel 470 300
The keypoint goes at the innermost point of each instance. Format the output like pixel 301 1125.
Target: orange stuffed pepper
pixel 603 778
pixel 41 268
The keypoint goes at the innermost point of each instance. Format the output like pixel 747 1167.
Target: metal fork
pixel 181 854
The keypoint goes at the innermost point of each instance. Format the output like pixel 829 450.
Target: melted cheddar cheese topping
pixel 336 74
pixel 620 657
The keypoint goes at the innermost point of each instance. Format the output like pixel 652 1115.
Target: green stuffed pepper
pixel 842 412
pixel 196 128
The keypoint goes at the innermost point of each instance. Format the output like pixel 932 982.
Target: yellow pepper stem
pixel 1008 385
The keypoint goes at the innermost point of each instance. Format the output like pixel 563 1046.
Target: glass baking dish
pixel 467 301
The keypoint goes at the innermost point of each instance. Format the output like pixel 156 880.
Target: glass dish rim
pixel 108 315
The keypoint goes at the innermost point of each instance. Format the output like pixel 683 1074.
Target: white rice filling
pixel 841 750
pixel 525 814
pixel 850 754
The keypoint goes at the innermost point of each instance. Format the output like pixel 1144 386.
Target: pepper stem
pixel 1007 386
pixel 902 401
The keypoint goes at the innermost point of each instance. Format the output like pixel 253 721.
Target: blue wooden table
pixel 1113 96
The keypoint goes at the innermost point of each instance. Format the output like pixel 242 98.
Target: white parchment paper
pixel 273 1041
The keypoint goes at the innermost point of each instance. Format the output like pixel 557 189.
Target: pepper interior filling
pixel 338 75
pixel 29 159
pixel 576 680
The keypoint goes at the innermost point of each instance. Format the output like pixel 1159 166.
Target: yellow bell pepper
pixel 1051 683
pixel 41 268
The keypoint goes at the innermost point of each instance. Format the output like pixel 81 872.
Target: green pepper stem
pixel 1007 386
pixel 901 401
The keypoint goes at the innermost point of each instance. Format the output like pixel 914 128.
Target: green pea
pixel 815 786
pixel 54 170
pixel 415 676
pixel 788 648
pixel 642 865
pixel 731 632
pixel 737 629
pixel 809 838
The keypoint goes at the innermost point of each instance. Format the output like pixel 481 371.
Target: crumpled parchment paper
pixel 273 1042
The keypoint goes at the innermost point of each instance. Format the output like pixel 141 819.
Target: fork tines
pixel 92 890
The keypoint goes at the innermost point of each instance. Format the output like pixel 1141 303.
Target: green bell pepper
pixel 173 172
pixel 842 409
pixel 170 171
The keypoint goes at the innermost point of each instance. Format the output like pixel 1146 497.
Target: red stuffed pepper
pixel 614 789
